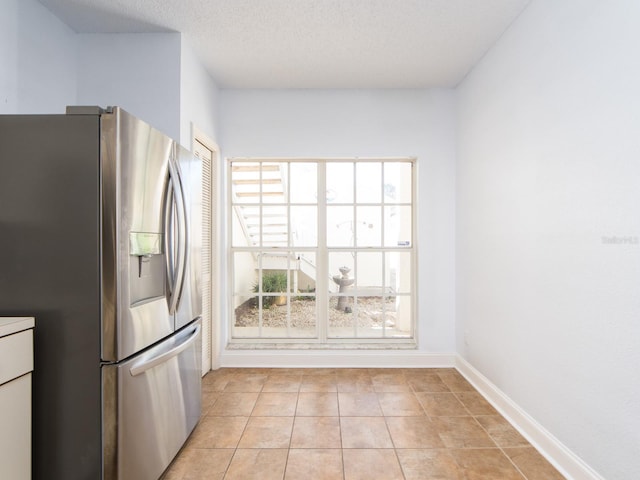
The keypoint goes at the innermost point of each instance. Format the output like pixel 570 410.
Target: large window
pixel 322 250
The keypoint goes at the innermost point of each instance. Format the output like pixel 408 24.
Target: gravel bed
pixel 303 313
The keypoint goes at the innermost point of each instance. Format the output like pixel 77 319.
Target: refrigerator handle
pixel 169 239
pixel 147 364
pixel 183 237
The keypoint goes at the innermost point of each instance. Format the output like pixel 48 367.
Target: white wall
pixel 8 55
pixel 37 59
pixel 138 72
pixel 198 97
pixel 155 76
pixel 339 123
pixel 548 224
pixel 46 66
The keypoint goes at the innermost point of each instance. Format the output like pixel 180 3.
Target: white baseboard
pixel 563 459
pixel 336 359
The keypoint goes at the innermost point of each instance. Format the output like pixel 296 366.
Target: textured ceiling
pixel 314 43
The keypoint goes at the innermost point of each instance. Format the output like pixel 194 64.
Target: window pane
pixel 341 271
pixel 398 268
pixel 307 272
pixel 245 226
pixel 397 230
pixel 370 316
pixel 341 317
pixel 245 274
pixel 245 182
pixel 245 317
pixel 340 231
pixel 369 223
pixel 340 182
pixel 274 178
pixel 273 295
pixel 304 182
pixel 303 316
pixel 275 226
pixel 275 319
pixel 399 315
pixel 304 224
pixel 369 272
pixel 397 182
pixel 368 182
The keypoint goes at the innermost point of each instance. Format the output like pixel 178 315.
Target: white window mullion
pixel 261 209
pixel 289 243
pixel 356 243
pixel 260 294
pixel 230 274
pixel 385 289
pixel 322 284
pixel 384 255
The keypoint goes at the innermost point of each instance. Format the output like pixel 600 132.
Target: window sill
pixel 408 345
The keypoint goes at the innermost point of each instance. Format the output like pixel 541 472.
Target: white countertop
pixel 9 325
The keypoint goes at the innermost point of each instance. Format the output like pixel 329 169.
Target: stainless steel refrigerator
pixel 100 240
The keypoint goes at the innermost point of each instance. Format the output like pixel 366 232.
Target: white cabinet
pixel 16 365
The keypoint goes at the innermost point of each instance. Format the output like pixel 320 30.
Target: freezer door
pixel 190 301
pixel 152 403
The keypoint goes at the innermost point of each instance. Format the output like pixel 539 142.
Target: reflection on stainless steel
pixel 181 232
pixel 169 239
pixel 191 294
pixel 160 354
pixel 113 204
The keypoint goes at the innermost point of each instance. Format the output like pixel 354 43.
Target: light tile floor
pixel 351 424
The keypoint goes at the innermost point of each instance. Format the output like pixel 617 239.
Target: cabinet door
pixel 15 434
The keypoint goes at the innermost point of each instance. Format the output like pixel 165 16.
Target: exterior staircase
pixel 249 182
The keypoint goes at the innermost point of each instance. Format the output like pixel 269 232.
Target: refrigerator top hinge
pixel 87 110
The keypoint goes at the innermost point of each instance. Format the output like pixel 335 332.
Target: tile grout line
pixel 496 443
pixel 293 424
pixel 235 450
pixel 395 449
pixel 286 462
pixel 470 414
pixel 244 429
pixel 344 473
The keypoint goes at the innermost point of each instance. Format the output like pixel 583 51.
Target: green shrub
pixel 272 282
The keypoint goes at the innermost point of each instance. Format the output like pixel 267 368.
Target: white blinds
pixel 208 223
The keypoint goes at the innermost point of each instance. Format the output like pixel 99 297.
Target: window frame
pixel 322 250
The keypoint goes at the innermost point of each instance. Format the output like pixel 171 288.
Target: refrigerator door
pixel 134 181
pixel 190 301
pixel 152 403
